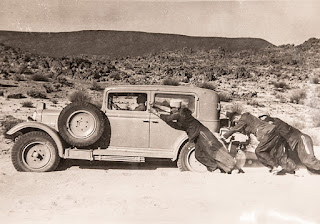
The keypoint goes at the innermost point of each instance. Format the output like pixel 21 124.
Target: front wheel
pixel 35 152
pixel 187 159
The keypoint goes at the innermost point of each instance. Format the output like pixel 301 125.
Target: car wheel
pixel 187 160
pixel 81 124
pixel 35 152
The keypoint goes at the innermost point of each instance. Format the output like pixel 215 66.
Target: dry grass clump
pixel 79 96
pixel 236 108
pixel 27 104
pixel 281 85
pixel 298 96
pixel 96 87
pixel 63 81
pixel 8 122
pixel 314 80
pixel 16 96
pixel 225 97
pixel 37 94
pixel 255 103
pixel 206 85
pixel 40 78
pixel 170 82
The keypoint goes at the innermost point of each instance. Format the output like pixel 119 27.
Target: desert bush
pixel 48 88
pixel 280 85
pixel 37 94
pixel 206 85
pixel 54 101
pixel 298 96
pixel 8 122
pixel 314 80
pixel 225 97
pixel 64 81
pixel 281 98
pixel 170 82
pixel 16 96
pixel 40 77
pixel 1 93
pixel 18 77
pixel 255 103
pixel 27 104
pixel 115 76
pixel 96 87
pixel 236 107
pixel 316 120
pixel 79 96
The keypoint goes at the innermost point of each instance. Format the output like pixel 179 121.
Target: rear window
pixel 163 99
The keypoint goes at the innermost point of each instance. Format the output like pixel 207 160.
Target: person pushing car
pixel 209 151
pixel 301 145
pixel 270 150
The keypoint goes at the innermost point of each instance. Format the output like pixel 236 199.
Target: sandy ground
pixel 155 192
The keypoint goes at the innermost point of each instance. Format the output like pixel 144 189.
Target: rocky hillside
pixel 119 43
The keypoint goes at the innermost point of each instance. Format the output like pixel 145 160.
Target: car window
pixel 127 101
pixel 164 99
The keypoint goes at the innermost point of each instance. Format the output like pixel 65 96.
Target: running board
pixel 85 154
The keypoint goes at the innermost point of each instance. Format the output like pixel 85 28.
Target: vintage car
pixel 122 130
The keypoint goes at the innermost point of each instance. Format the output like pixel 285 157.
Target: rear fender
pixel 39 126
pixel 178 145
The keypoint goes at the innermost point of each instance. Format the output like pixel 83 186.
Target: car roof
pixel 189 89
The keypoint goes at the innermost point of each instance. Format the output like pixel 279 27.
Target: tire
pixel 81 124
pixel 187 160
pixel 35 152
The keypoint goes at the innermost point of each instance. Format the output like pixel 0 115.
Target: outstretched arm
pixel 241 124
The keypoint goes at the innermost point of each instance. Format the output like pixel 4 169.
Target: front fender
pixel 40 126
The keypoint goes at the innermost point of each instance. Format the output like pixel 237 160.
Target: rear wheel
pixel 187 160
pixel 35 152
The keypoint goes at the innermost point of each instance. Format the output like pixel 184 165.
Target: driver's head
pixel 141 99
pixel 234 117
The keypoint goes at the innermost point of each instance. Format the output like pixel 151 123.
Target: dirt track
pixel 154 192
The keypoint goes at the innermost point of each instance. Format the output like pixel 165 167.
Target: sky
pixel 279 22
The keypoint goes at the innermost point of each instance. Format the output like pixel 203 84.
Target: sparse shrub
pixel 1 93
pixel 79 96
pixel 115 76
pixel 40 78
pixel 48 88
pixel 54 101
pixel 316 120
pixel 16 96
pixel 298 96
pixel 281 98
pixel 8 122
pixel 237 107
pixel 64 81
pixel 225 97
pixel 314 80
pixel 280 85
pixel 170 82
pixel 18 77
pixel 255 103
pixel 27 104
pixel 37 94
pixel 206 85
pixel 96 87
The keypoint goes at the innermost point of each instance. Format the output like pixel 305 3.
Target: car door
pixel 130 125
pixel 162 136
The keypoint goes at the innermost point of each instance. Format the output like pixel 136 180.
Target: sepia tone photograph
pixel 159 111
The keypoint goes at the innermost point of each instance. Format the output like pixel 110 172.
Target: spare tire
pixel 81 124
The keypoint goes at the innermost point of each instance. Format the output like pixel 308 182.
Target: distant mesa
pixel 119 43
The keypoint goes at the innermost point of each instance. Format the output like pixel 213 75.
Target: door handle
pixel 156 122
pixel 146 121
